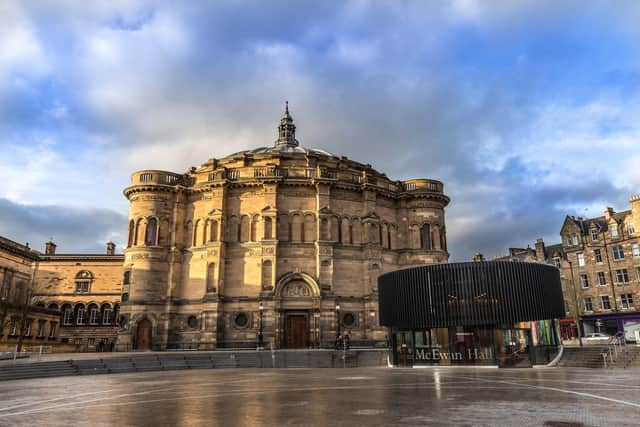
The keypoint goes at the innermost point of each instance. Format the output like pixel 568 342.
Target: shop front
pixel 463 314
pixel 612 324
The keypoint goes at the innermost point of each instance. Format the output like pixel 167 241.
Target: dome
pixel 289 149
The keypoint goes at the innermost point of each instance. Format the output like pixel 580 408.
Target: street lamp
pixel 260 337
pixel 576 315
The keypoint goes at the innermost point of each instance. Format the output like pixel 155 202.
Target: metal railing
pixel 614 349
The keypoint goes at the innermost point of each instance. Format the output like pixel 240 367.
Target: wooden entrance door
pixel 296 331
pixel 143 335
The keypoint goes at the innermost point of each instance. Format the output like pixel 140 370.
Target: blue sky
pixel 527 110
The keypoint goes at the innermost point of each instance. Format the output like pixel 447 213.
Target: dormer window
pixel 630 228
pixel 594 234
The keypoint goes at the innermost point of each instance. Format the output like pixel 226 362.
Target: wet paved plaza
pixel 373 396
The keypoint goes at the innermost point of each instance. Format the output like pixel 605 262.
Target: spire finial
pixel 286 129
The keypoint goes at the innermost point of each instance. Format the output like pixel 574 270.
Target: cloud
pixel 526 110
pixel 74 230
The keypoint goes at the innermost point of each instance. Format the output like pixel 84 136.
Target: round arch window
pixel 349 320
pixel 192 322
pixel 241 320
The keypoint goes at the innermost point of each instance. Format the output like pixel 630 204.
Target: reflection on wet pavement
pixel 374 396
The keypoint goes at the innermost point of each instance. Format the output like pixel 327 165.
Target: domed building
pixel 278 246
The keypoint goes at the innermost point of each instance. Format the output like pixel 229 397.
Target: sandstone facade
pixel 18 315
pixel 283 241
pixel 599 262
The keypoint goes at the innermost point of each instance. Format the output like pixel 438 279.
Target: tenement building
pixel 599 262
pixel 279 245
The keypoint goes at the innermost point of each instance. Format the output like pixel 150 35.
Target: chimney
pixel 111 248
pixel 608 213
pixel 478 257
pixel 49 248
pixel 540 252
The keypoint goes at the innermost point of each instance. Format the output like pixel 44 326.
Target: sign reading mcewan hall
pixel 281 244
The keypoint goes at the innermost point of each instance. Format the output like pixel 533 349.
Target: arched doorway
pixel 143 335
pixel 298 306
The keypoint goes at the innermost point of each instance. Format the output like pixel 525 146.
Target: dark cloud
pixel 74 230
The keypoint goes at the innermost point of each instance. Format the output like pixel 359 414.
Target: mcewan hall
pixel 281 245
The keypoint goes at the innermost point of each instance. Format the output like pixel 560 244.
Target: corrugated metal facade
pixel 468 294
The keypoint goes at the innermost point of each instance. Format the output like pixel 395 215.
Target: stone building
pixel 280 244
pixel 85 288
pixel 72 300
pixel 599 262
pixel 18 316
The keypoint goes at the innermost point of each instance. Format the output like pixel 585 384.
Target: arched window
pixel 297 227
pixel 267 272
pixel 335 229
pixel 435 237
pixel 309 230
pixel 254 228
pixel 83 282
pixel 414 237
pixel 268 228
pixel 245 231
pixel 94 314
pixel 80 314
pixel 151 235
pixel 214 231
pixel 425 237
pixel 196 230
pixel 67 315
pixel 132 230
pixel 138 238
pixel 116 312
pixel 233 229
pixel 343 237
pixel 211 277
pixel 324 229
pixel 206 232
pixel 106 314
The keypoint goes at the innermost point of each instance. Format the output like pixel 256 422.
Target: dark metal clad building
pixel 470 294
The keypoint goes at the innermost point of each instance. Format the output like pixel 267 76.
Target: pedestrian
pixel 346 341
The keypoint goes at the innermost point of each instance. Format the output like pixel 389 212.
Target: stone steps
pixel 582 357
pixel 195 360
